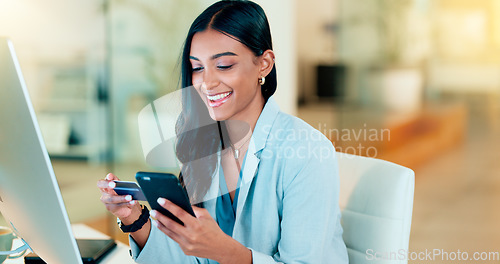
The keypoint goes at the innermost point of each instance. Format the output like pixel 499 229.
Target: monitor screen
pixel 30 198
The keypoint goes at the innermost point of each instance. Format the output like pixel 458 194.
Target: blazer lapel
pixel 249 173
pixel 257 144
pixel 210 199
pixel 252 159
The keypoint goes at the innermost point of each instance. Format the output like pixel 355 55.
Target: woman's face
pixel 226 74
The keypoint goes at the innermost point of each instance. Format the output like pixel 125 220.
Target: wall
pixel 281 16
pixel 315 43
pixel 466 47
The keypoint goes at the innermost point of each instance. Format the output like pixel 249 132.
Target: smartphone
pixel 129 188
pixel 164 185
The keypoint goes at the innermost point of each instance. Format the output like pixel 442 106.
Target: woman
pixel 269 188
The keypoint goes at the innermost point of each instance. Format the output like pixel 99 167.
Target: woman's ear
pixel 266 62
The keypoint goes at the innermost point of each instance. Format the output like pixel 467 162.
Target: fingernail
pixel 153 213
pixel 128 197
pixel 161 201
pixel 132 202
pixel 108 176
pixel 112 185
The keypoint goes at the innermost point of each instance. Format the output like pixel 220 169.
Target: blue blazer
pixel 288 203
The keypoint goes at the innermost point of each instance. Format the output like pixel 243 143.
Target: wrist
pixel 134 215
pixel 237 253
pixel 137 224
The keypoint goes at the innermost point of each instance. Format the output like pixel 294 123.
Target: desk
pixel 119 255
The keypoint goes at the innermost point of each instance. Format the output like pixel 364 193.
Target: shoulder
pixel 303 156
pixel 299 148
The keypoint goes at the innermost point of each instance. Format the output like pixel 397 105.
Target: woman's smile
pixel 217 100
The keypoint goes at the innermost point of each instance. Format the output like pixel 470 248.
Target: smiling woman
pixel 259 207
pixel 225 50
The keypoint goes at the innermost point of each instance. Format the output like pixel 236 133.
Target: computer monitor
pixel 30 198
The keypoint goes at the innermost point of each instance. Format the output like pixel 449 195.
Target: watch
pixel 137 225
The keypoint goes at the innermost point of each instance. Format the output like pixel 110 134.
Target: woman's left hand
pixel 200 236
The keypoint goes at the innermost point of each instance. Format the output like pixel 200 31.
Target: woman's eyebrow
pixel 218 55
pixel 228 53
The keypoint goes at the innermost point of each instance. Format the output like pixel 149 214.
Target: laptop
pixel 91 251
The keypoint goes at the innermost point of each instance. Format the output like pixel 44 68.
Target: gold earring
pixel 262 80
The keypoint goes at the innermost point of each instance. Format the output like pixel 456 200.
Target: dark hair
pixel 246 22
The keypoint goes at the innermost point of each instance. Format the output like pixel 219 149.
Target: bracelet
pixel 137 225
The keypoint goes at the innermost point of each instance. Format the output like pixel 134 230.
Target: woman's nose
pixel 210 81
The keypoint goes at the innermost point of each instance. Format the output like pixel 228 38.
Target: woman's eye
pixel 224 67
pixel 197 69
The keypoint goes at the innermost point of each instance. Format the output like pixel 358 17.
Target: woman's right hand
pixel 122 206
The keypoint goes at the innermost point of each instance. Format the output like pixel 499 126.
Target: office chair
pixel 376 199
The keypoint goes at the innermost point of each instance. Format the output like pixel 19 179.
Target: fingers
pixel 180 213
pixel 165 224
pixel 174 230
pixel 111 177
pixel 118 209
pixel 162 222
pixel 166 221
pixel 118 205
pixel 107 185
pixel 200 212
pixel 117 199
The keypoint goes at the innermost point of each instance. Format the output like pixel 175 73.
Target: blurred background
pixel 415 82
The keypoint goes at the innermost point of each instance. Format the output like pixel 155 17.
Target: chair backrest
pixel 376 199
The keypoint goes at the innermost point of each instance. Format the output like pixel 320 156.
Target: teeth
pixel 217 97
